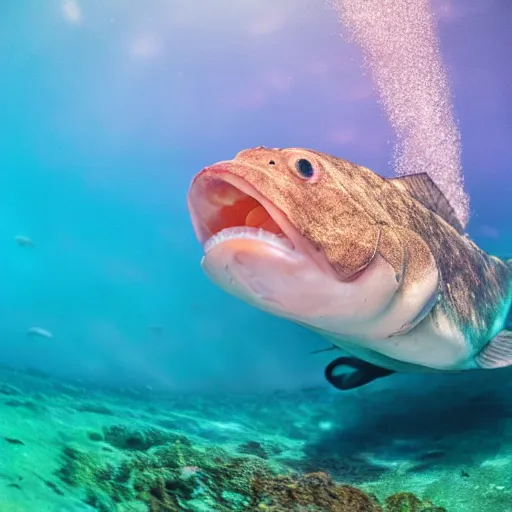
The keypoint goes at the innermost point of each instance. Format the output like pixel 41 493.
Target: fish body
pixel 380 267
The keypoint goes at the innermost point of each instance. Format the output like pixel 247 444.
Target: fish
pixel 38 331
pixel 381 268
pixel 156 329
pixel 23 241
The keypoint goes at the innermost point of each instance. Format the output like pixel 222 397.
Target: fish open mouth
pixel 224 206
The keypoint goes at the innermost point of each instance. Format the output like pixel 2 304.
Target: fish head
pixel 297 234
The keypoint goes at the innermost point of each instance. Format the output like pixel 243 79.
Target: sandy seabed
pixel 70 446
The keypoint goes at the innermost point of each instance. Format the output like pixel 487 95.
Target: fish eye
pixel 304 168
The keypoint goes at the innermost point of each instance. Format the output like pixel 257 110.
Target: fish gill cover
pixel 131 383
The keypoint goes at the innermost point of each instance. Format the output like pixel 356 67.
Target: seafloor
pixel 69 446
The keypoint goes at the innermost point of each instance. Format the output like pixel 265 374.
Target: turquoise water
pixel 108 110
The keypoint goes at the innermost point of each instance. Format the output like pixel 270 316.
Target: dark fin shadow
pixel 349 373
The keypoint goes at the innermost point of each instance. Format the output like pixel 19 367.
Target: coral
pixel 166 478
pixel 408 502
pixel 180 477
pixel 403 502
pixel 316 491
pixel 263 450
pixel 104 483
pixel 128 438
pixel 254 448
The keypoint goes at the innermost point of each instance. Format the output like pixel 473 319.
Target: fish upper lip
pixel 224 171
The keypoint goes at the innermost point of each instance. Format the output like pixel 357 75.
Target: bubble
pixel 401 51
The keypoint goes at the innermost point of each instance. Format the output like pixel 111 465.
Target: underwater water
pixel 128 380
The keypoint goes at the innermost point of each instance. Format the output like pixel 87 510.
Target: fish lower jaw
pixel 248 233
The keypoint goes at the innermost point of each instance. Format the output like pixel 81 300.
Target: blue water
pixel 107 111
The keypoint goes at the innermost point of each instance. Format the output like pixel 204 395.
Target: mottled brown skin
pixel 351 213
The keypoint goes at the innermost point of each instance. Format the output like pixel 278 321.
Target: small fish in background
pixel 156 329
pixel 38 331
pixel 382 268
pixel 23 241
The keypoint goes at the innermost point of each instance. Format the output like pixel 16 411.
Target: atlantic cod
pixel 381 267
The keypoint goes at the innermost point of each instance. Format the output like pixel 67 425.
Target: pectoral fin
pixel 350 373
pixel 497 353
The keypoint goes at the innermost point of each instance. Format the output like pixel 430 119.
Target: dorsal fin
pixel 508 320
pixel 422 188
